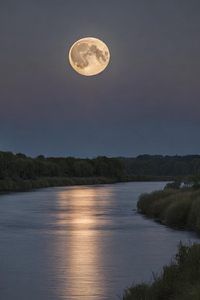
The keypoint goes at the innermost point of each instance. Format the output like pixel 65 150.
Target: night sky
pixel 147 101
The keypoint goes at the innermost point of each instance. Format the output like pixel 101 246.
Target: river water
pixel 80 242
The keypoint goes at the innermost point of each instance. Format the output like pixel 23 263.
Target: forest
pixel 158 165
pixel 18 171
pixel 21 172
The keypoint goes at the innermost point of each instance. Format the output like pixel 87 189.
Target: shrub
pixel 194 214
pixel 178 212
pixel 173 185
pixel 178 281
pixel 158 209
pixel 146 201
pixel 3 185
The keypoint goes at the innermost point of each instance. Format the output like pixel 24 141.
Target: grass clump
pixel 178 281
pixel 176 214
pixel 194 214
pixel 146 201
pixel 179 208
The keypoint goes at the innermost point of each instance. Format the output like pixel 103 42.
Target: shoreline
pixel 177 209
pixel 180 210
pixel 45 182
pixel 19 185
pixel 179 280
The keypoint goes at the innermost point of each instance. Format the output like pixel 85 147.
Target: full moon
pixel 89 56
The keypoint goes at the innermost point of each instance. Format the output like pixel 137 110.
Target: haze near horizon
pixel 146 101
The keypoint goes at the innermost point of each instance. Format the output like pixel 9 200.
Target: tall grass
pixel 20 184
pixel 180 280
pixel 146 201
pixel 177 208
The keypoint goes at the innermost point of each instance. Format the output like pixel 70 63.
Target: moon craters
pixel 78 55
pixel 89 56
pixel 98 53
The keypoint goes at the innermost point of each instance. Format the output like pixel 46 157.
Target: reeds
pixel 176 208
pixel 180 280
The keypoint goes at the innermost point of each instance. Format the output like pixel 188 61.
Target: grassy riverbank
pixel 180 280
pixel 179 208
pixel 20 184
pixel 17 183
pixel 132 178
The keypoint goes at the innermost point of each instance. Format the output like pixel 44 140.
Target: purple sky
pixel 147 101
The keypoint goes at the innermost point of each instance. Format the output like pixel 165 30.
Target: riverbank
pixel 179 281
pixel 17 183
pixel 179 208
pixel 9 185
pixel 133 178
pixel 176 208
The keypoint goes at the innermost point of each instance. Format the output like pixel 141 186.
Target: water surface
pixel 80 242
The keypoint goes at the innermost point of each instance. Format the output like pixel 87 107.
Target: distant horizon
pixel 95 156
pixel 147 100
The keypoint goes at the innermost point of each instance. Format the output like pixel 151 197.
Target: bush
pixel 173 185
pixel 146 201
pixel 3 185
pixel 178 281
pixel 178 208
pixel 158 209
pixel 178 212
pixel 194 215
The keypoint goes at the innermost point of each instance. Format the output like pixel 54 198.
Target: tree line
pixel 158 165
pixel 20 166
pixel 17 171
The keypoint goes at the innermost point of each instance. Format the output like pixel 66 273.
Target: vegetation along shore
pixel 175 206
pixel 19 172
pixel 178 207
pixel 180 280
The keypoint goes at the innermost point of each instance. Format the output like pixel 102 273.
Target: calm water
pixel 82 242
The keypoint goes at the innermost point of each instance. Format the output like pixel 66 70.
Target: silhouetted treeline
pixel 158 165
pixel 20 171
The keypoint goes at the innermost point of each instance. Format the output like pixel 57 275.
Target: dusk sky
pixel 147 101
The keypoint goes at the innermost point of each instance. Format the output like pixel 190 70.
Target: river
pixel 80 242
